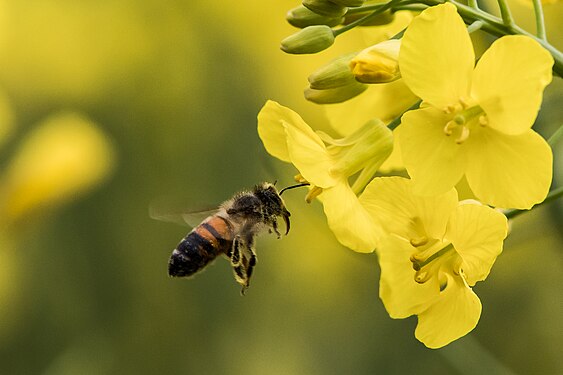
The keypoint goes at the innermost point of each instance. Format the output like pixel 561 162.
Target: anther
pixel 463 102
pixel 420 241
pixel 422 276
pixel 463 136
pixel 449 128
pixel 483 120
pixel 299 178
pixel 449 109
pixel 313 193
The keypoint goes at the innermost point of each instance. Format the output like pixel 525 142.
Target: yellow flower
pixel 436 250
pixel 327 164
pixel 474 121
pixel 61 158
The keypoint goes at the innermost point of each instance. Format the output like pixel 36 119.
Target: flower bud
pixel 349 3
pixel 373 142
pixel 311 39
pixel 302 17
pixel 334 74
pixel 325 8
pixel 335 95
pixel 378 63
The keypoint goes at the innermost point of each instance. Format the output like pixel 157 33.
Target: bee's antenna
pixel 293 187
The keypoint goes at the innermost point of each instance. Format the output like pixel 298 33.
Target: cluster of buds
pixel 348 75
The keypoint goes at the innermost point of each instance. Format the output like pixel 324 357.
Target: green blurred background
pixel 176 86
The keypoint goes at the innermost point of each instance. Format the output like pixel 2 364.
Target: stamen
pixel 299 178
pixel 422 276
pixel 420 241
pixel 464 103
pixel 449 109
pixel 313 193
pixel 483 120
pixel 463 136
pixel 449 128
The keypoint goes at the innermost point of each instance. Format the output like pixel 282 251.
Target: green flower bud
pixel 311 39
pixel 325 8
pixel 302 17
pixel 334 74
pixel 349 3
pixel 381 19
pixel 335 95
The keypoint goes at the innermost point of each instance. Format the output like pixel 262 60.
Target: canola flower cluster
pixel 461 120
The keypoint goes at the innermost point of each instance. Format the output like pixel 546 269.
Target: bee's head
pixel 271 199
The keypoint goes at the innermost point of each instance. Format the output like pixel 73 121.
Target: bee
pixel 231 231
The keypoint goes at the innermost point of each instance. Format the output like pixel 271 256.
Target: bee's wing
pixel 191 218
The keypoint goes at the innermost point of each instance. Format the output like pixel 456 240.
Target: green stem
pixel 555 136
pixel 505 13
pixel 380 9
pixel 473 4
pixel 397 120
pixel 554 194
pixel 540 23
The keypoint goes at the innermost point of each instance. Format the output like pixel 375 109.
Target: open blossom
pixel 436 249
pixel 327 164
pixel 475 120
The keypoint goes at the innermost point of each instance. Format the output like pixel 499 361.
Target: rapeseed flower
pixel 327 164
pixel 474 121
pixel 436 249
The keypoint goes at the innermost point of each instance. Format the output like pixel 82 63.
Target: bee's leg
pixel 235 253
pixel 275 228
pixel 239 262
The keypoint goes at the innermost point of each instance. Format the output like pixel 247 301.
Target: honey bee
pixel 230 231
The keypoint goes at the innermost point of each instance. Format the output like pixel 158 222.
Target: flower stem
pixel 380 8
pixel 554 194
pixel 540 23
pixel 505 13
pixel 555 136
pixel 397 120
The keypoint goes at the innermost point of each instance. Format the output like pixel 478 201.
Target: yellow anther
pixel 420 241
pixel 463 136
pixel 464 103
pixel 422 276
pixel 313 193
pixel 483 120
pixel 449 109
pixel 449 128
pixel 300 179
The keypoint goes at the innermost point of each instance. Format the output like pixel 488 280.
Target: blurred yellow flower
pixel 327 164
pixel 474 122
pixel 436 250
pixel 62 157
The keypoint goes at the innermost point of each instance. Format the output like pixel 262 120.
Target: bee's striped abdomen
pixel 203 244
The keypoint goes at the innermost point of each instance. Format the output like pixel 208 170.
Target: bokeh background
pixel 109 105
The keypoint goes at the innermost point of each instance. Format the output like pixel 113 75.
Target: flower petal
pixel 508 82
pixel 271 130
pixel 433 160
pixel 437 58
pixel 384 101
pixel 509 170
pixel 350 223
pixel 390 201
pixel 401 295
pixel 453 315
pixel 477 233
pixel 309 155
